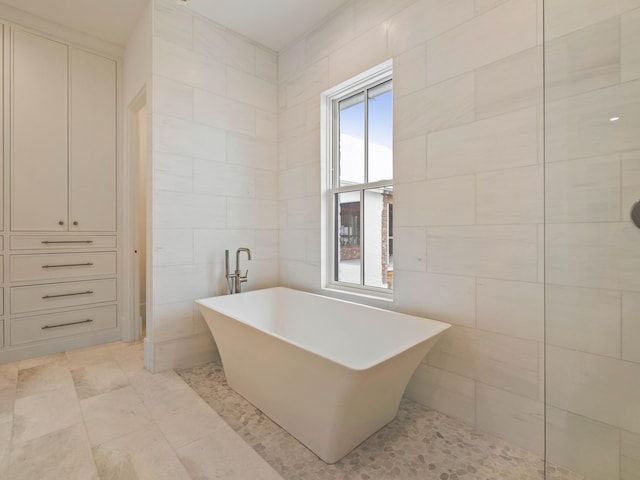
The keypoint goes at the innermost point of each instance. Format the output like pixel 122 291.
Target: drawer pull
pixel 89 264
pixel 88 320
pixel 88 292
pixel 49 242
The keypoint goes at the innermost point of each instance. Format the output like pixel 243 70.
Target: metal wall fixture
pixel 635 214
pixel 236 279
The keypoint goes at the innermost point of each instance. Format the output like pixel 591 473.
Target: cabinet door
pixel 92 162
pixel 39 175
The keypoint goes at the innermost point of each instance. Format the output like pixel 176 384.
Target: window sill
pixel 359 296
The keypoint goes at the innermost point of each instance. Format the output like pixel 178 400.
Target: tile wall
pixel 215 173
pixel 468 189
pixel 592 254
pixel 236 154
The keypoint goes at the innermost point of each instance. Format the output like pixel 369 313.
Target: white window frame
pixel 329 151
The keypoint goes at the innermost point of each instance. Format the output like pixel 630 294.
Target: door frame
pixel 131 221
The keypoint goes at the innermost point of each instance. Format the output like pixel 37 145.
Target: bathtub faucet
pixel 236 279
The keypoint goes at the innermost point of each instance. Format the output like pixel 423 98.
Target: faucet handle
pixel 244 278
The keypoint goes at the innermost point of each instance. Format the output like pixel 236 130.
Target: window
pixel 358 156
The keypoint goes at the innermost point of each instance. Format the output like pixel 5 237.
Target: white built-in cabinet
pixel 63 152
pixel 60 278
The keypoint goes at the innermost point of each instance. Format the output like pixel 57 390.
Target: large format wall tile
pixel 223 113
pixel 582 445
pixel 188 210
pixel 253 90
pixel 172 246
pixel 594 313
pixel 630 174
pixel 446 298
pixel 565 16
pixel 173 25
pixel 448 201
pixel 631 326
pixel 510 84
pixel 629 456
pixel 507 252
pixel 188 67
pixel 474 43
pixel 443 391
pixel 630 25
pixel 410 159
pixel 597 255
pixel 173 98
pixel 517 419
pixel 510 196
pixel 215 42
pixel 579 126
pixel 597 387
pixel 509 140
pixel 501 361
pixel 582 61
pixel 364 52
pixel 436 108
pixel 226 179
pixel 410 71
pixel 584 190
pixel 331 34
pixel 410 248
pixel 370 13
pixel 309 84
pixel 426 19
pixel 182 137
pixel 511 308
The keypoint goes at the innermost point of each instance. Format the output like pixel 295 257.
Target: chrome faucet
pixel 236 279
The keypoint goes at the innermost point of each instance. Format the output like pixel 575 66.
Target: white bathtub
pixel 330 372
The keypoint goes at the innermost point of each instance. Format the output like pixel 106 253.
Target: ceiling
pixel 273 23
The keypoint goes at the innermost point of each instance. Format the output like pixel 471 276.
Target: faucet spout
pixel 239 279
pixel 242 249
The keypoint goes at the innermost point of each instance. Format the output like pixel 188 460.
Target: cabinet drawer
pixel 44 327
pixel 53 266
pixel 1 333
pixel 59 295
pixel 52 242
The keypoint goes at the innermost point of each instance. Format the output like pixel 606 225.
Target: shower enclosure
pixel 592 248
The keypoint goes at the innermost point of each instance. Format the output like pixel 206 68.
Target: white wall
pixel 215 173
pixel 468 189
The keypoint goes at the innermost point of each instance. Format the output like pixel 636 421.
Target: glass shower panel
pixel 592 249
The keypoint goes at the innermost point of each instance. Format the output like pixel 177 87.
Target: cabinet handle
pixel 75 223
pixel 60 222
pixel 88 292
pixel 49 242
pixel 89 264
pixel 88 320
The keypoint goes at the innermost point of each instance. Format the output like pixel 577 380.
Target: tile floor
pixel 95 413
pixel 419 444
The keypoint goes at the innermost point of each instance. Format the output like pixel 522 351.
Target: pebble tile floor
pixel 419 444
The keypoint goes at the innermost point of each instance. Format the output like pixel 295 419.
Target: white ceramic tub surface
pixel 329 372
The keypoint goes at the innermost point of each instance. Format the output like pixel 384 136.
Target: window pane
pixel 378 261
pixel 351 163
pixel 348 241
pixel 380 133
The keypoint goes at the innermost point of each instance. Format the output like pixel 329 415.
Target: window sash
pixel 373 82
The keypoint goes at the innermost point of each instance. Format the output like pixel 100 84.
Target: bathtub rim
pixel 441 327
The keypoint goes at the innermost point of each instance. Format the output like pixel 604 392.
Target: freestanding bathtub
pixel 330 372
